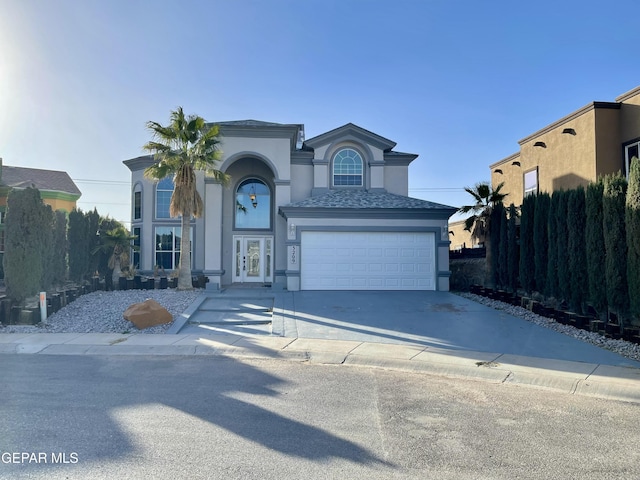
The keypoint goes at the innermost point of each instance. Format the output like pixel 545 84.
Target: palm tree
pixel 479 222
pixel 186 145
pixel 117 243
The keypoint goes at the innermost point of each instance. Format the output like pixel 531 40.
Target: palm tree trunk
pixel 117 271
pixel 184 270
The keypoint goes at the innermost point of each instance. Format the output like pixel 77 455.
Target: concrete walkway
pixel 431 332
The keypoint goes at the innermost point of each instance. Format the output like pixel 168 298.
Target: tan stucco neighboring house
pixel 327 213
pixel 596 140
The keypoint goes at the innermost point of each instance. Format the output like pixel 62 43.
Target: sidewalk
pixel 597 380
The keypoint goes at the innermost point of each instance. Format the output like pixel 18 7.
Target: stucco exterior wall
pixel 459 237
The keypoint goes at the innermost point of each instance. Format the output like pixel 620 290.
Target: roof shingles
pixel 364 199
pixel 52 180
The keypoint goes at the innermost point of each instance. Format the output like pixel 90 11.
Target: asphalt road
pixel 210 417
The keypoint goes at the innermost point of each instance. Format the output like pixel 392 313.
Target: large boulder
pixel 147 314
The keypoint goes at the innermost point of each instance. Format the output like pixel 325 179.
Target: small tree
pixel 479 222
pixel 495 221
pixel 116 243
pixel 615 242
pixel 594 242
pixel 527 253
pixel 576 219
pixel 632 217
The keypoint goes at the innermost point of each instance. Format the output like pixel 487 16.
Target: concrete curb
pixel 576 378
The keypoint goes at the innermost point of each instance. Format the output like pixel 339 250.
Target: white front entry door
pixel 253 259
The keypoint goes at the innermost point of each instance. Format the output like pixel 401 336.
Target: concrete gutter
pixel 576 378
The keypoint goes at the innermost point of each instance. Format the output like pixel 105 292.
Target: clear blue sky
pixel 457 82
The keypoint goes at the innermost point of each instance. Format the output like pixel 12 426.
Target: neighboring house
pixel 328 213
pixel 56 189
pixel 593 141
pixel 461 238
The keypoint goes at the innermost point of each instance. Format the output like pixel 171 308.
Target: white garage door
pixel 367 261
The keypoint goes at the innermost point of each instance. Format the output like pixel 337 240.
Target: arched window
pixel 164 190
pixel 347 168
pixel 253 205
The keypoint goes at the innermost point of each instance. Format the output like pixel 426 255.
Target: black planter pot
pixel 137 282
pixel 122 283
pixel 163 283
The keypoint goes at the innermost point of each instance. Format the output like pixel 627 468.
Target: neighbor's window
pixel 167 247
pixel 137 205
pixel 347 168
pixel 135 255
pixel 531 182
pixel 253 205
pixel 630 151
pixel 164 190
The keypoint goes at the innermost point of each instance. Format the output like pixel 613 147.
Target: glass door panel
pixel 252 257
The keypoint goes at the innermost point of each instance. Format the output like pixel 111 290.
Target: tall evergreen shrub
pixel 551 284
pixel 615 242
pixel 594 242
pixel 562 244
pixel 541 240
pixel 503 249
pixel 527 254
pixel 632 218
pixel 513 250
pixel 23 259
pixel 576 219
pixel 494 243
pixel 59 248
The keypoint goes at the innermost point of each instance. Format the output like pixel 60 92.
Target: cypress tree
pixel 541 240
pixel 513 250
pixel 23 248
pixel 615 242
pixel 594 241
pixel 60 248
pixel 494 244
pixel 527 254
pixel 551 285
pixel 564 274
pixel 503 249
pixel 632 217
pixel 46 225
pixel 78 252
pixel 576 219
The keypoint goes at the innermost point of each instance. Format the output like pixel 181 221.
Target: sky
pixel 458 82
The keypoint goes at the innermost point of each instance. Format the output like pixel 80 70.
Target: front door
pixel 253 257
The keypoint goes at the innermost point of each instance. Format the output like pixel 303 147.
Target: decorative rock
pixel 147 314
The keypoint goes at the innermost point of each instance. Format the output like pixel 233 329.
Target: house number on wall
pixel 293 255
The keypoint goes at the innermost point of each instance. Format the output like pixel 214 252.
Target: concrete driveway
pixel 438 320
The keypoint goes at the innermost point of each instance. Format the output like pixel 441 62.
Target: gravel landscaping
pixel 622 347
pixel 101 312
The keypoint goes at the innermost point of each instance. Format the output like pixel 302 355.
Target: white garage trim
pixel 368 261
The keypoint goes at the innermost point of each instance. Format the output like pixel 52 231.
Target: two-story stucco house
pixel 328 213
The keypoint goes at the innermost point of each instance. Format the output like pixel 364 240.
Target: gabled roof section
pixel 49 180
pixel 351 129
pixel 361 202
pixel 139 163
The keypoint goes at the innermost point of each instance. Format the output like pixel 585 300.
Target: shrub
pixel 594 243
pixel 541 240
pixel 513 250
pixel 527 254
pixel 615 242
pixel 632 217
pixel 552 286
pixel 562 243
pixel 576 219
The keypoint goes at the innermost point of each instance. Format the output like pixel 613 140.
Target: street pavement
pixel 432 332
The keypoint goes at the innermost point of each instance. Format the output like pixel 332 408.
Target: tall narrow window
pixel 531 182
pixel 137 205
pixel 347 168
pixel 164 190
pixel 135 256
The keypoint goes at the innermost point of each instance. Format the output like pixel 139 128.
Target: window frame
pixel 335 162
pixel 237 213
pixel 627 159
pixel 534 190
pixel 137 204
pixel 175 245
pixel 162 183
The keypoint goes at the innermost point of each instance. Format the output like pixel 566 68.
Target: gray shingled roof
pixel 363 199
pixel 52 180
pixel 250 123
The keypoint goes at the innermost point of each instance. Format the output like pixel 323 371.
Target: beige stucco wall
pixel 459 237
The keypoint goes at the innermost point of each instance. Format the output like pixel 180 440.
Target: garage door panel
pixel 367 261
